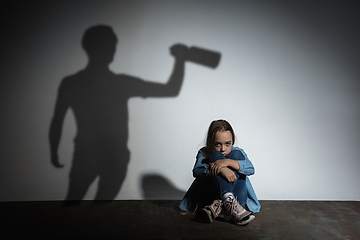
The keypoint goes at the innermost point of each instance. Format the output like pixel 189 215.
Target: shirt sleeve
pixel 246 166
pixel 200 168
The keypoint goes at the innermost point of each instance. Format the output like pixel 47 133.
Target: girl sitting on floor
pixel 221 183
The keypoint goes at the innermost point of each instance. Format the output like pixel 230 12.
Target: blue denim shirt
pixel 201 169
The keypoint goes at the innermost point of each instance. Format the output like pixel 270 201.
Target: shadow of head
pixel 99 42
pixel 156 187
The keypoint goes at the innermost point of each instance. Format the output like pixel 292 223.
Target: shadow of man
pixel 155 187
pixel 98 98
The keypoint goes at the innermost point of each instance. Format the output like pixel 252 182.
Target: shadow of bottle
pixel 203 56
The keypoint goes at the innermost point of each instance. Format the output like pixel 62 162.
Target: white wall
pixel 288 82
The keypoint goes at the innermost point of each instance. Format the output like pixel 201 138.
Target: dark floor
pixel 153 219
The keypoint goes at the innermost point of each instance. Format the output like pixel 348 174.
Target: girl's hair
pixel 217 126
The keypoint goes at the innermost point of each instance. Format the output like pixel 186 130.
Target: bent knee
pixel 236 155
pixel 215 155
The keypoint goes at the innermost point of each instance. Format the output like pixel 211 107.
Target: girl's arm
pixel 200 168
pixel 228 174
pixel 240 163
pixel 216 167
pixel 237 160
pixel 245 165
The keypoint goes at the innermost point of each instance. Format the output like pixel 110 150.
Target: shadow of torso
pixel 99 100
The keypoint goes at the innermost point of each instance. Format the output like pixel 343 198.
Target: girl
pixel 221 183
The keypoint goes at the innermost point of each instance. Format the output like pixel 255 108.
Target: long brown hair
pixel 217 126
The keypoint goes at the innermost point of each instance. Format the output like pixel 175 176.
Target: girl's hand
pixel 228 174
pixel 217 166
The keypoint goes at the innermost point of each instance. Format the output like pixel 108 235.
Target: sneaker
pixel 246 220
pixel 234 211
pixel 212 211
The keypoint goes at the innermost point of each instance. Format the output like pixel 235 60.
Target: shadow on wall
pixel 98 98
pixel 156 187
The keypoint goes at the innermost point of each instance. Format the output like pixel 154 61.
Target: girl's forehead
pixel 223 136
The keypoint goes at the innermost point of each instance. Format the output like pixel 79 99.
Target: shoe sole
pixel 207 215
pixel 242 223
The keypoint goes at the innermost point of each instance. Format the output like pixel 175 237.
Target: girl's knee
pixel 236 155
pixel 215 155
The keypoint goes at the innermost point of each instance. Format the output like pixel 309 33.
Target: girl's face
pixel 223 142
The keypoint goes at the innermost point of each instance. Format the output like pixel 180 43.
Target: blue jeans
pixel 239 187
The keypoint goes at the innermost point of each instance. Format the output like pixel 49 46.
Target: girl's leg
pixel 223 185
pixel 229 193
pixel 239 187
pixel 236 155
pixel 240 190
pixel 215 155
pixel 235 209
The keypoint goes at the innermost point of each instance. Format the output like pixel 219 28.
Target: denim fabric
pixel 201 173
pixel 239 187
pixel 202 167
